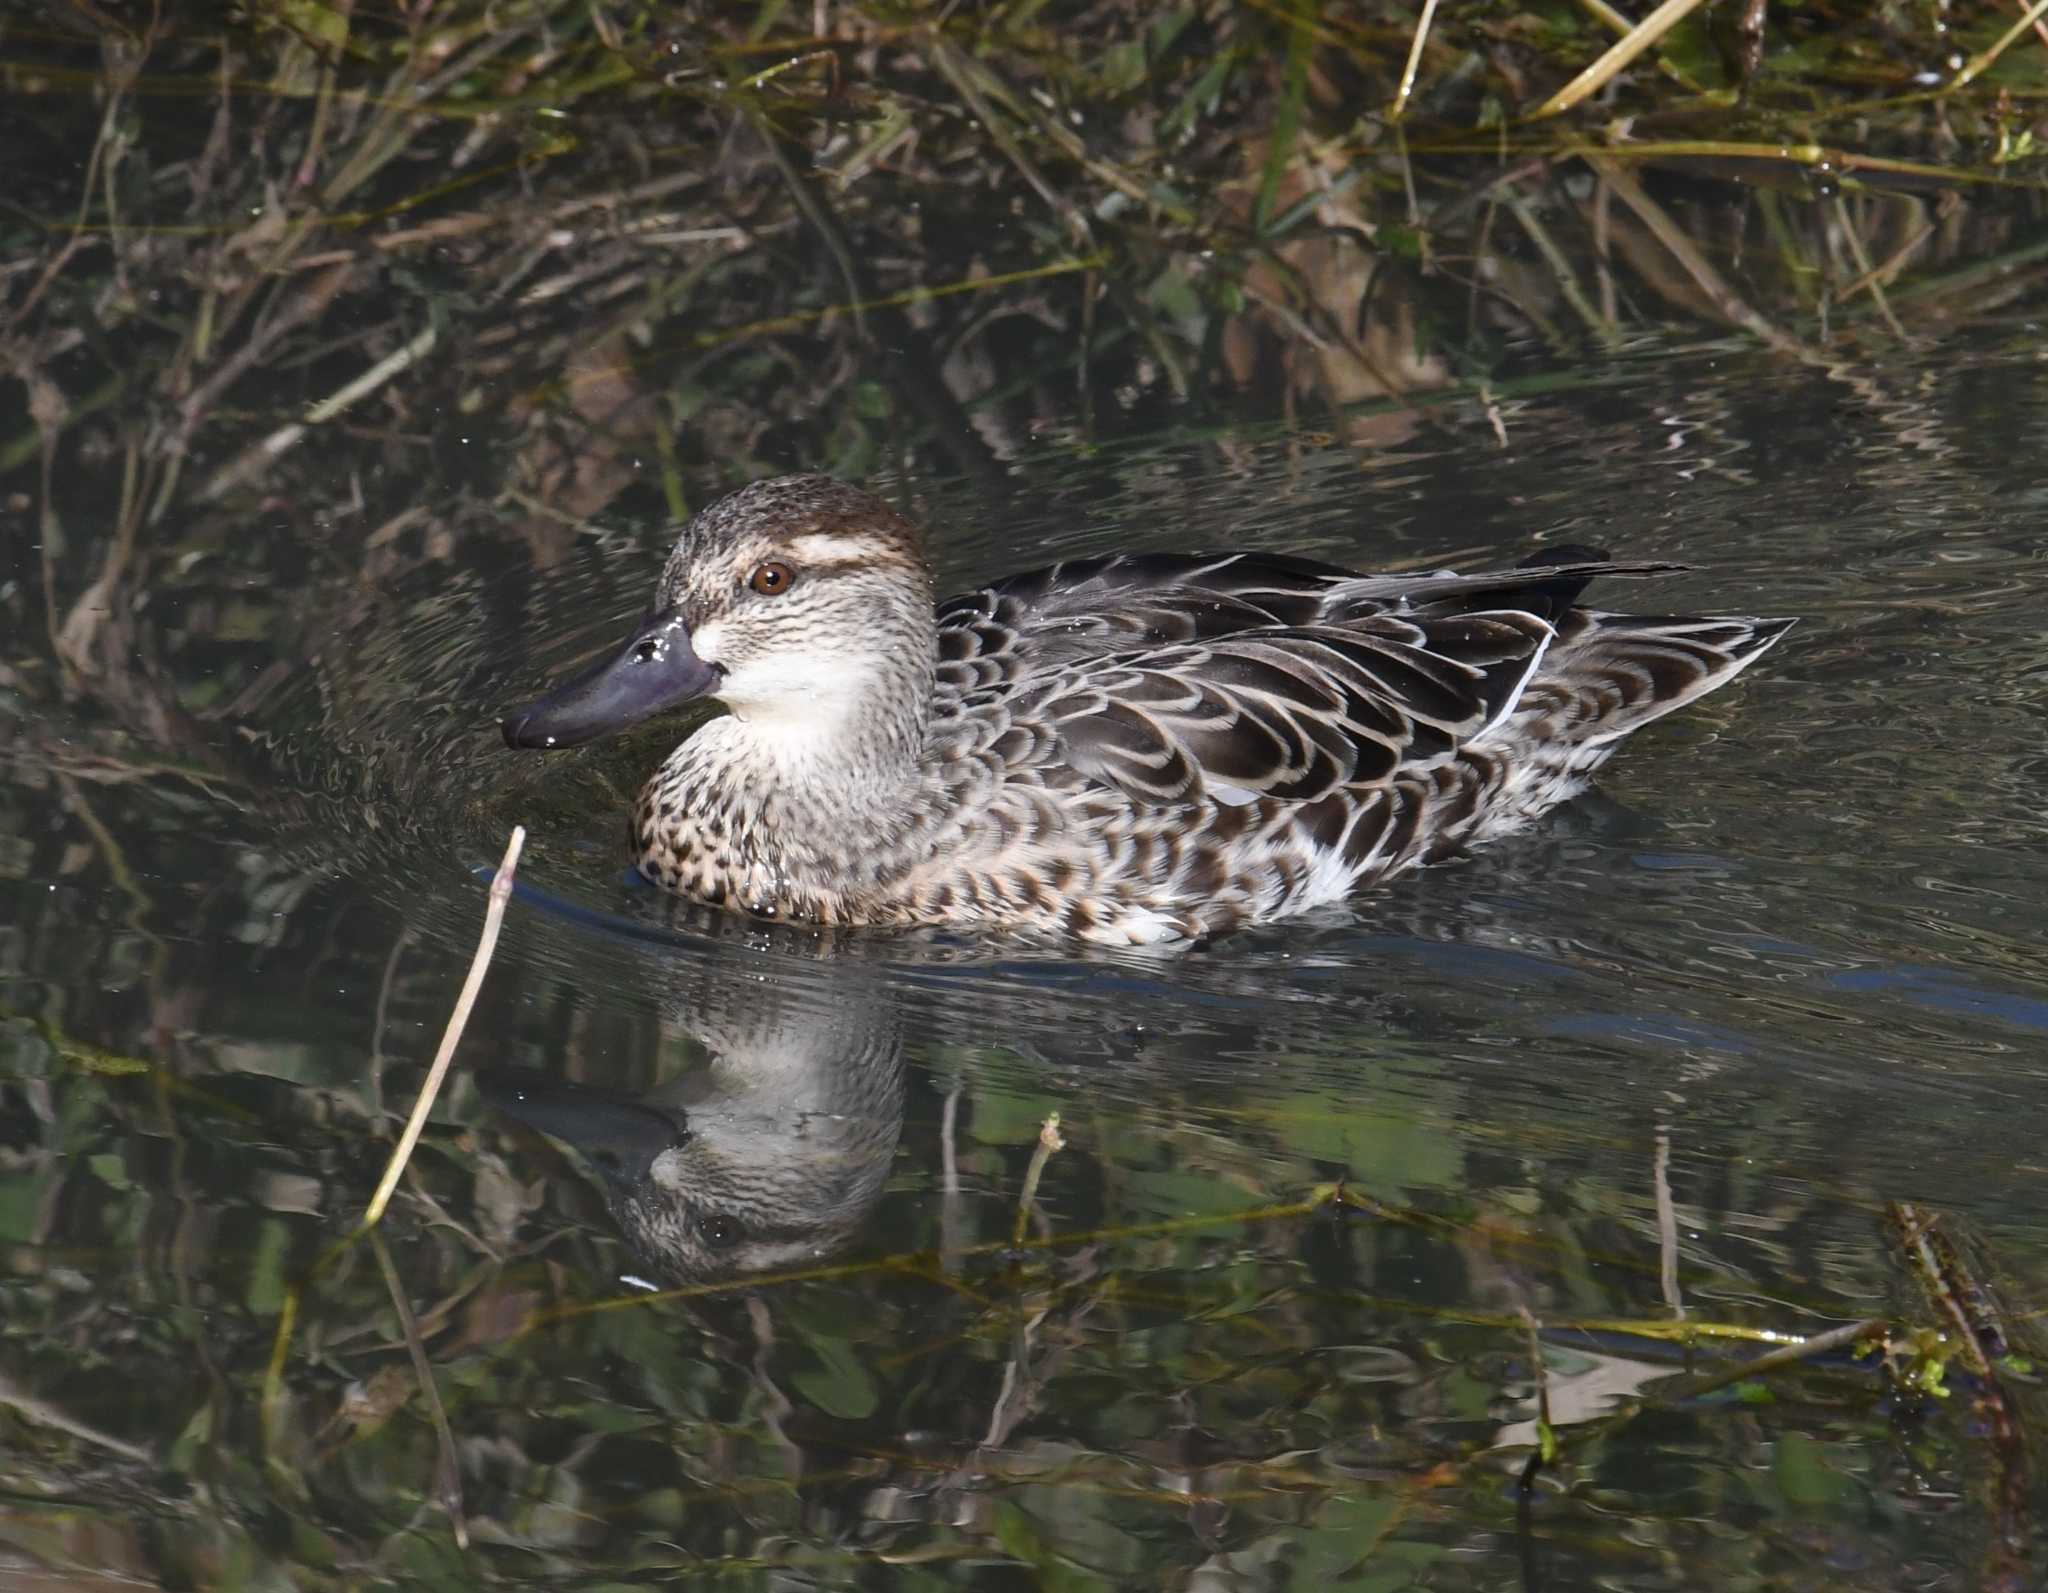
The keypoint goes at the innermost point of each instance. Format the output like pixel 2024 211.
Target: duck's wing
pixel 1088 608
pixel 1291 711
pixel 1107 604
pixel 1177 677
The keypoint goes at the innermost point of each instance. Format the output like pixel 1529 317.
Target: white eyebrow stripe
pixel 822 547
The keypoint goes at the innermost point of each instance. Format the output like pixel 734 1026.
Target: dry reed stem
pixel 1982 61
pixel 1888 269
pixel 258 455
pixel 1560 266
pixel 1816 155
pixel 1048 1141
pixel 39 1412
pixel 1682 249
pixel 1687 1389
pixel 1866 275
pixel 1414 61
pixel 1624 50
pixel 1785 1355
pixel 494 916
pixel 1667 1227
pixel 2040 27
pixel 1615 22
pixel 959 70
pixel 1609 18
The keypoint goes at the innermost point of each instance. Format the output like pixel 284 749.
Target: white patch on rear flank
pixel 1331 875
pixel 1137 926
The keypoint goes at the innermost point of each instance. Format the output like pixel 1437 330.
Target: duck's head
pixel 791 600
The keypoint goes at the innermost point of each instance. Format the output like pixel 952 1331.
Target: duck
pixel 1131 749
pixel 771 1153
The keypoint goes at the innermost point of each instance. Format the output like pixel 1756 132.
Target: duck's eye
pixel 720 1231
pixel 772 579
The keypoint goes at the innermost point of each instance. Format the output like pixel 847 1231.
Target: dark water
pixel 1667 1059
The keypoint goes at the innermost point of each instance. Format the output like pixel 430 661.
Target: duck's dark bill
pixel 656 669
pixel 621 1136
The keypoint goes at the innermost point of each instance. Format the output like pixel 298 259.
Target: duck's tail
pixel 1608 675
pixel 1605 676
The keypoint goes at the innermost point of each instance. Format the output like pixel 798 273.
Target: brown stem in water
pixel 494 916
pixel 1048 1141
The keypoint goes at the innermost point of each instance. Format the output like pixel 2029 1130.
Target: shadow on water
pixel 358 365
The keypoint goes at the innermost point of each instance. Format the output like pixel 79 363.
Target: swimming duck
pixel 1132 749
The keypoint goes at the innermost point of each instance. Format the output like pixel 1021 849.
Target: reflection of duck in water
pixel 770 1155
pixel 1133 750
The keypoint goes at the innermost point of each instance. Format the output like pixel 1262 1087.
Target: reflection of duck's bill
pixel 620 1136
pixel 655 670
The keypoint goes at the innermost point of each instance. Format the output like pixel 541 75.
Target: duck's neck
pixel 786 808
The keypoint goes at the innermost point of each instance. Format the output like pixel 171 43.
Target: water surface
pixel 355 366
pixel 1668 1058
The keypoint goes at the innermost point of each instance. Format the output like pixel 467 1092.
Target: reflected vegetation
pixel 356 364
